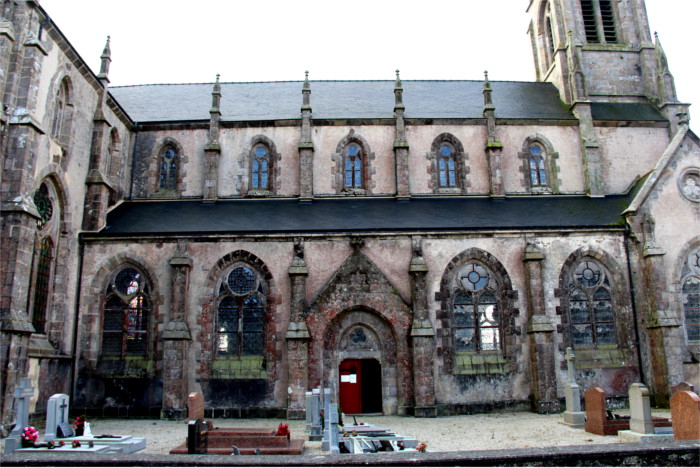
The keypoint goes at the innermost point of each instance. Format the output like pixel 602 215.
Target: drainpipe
pixel 133 160
pixel 634 304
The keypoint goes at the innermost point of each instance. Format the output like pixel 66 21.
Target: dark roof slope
pixel 634 112
pixel 339 100
pixel 362 215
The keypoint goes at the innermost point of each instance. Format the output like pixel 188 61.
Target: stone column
pixel 664 329
pixel 297 338
pixel 176 339
pixel 422 337
pixel 541 335
pixel 23 61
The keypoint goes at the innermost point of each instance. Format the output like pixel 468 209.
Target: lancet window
pixel 168 169
pixel 260 167
pixel 354 166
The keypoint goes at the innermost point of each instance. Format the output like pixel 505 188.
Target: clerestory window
pixel 260 168
pixel 354 166
pixel 168 169
pixel 599 21
pixel 538 165
pixel 447 167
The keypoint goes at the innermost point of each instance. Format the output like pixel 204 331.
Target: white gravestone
pixel 56 413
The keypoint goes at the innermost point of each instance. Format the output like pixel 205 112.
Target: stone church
pixel 423 248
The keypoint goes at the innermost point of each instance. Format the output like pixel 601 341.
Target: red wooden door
pixel 351 386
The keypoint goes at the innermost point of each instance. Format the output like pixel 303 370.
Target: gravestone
pixel 641 423
pixel 22 395
pixel 309 410
pixel 316 430
pixel 57 415
pixel 573 416
pixel 333 429
pixel 682 387
pixel 685 415
pixel 197 436
pixel 195 406
pixel 325 444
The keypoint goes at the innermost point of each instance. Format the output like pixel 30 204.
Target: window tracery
pixel 241 313
pixel 690 296
pixel 476 317
pixel 260 167
pixel 354 166
pixel 168 169
pixel 126 317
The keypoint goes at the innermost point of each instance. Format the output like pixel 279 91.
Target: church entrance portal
pixel 360 386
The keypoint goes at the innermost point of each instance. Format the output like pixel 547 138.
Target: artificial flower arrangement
pixel 29 436
pixel 79 425
pixel 422 447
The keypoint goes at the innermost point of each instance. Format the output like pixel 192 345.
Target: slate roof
pixel 626 111
pixel 362 215
pixel 339 100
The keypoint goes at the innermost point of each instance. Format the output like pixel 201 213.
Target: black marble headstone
pixel 197 431
pixel 64 431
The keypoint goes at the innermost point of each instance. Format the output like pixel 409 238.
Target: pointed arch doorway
pixel 360 386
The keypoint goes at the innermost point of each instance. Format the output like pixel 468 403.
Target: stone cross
pixel 22 395
pixel 640 410
pixel 573 416
pixel 56 413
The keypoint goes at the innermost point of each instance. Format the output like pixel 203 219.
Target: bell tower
pixel 602 51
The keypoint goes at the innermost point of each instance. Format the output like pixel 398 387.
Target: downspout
pixel 133 160
pixel 634 304
pixel 76 322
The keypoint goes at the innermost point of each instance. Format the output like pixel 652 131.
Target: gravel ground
pixel 447 434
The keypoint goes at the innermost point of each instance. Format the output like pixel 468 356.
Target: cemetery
pixel 327 428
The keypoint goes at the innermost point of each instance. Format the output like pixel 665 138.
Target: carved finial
pixel 106 51
pixel 106 59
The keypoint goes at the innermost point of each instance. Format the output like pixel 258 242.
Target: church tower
pixel 602 51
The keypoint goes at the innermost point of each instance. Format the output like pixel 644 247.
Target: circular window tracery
pixel 689 184
pixel 44 206
pixel 241 280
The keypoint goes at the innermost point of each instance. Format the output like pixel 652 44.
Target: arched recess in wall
pixel 449 167
pixel 238 309
pixel 263 167
pixel 109 291
pixel 477 315
pixel 595 309
pixel 686 286
pixel 353 166
pixel 539 165
pixel 167 169
pixel 61 124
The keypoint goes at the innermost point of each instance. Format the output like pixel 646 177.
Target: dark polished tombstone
pixel 197 431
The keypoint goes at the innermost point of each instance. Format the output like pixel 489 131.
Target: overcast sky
pixel 173 41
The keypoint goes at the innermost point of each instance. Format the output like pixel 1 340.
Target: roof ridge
pixel 327 81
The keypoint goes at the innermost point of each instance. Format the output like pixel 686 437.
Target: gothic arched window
pixel 42 284
pixel 353 156
pixel 537 165
pixel 447 166
pixel 260 167
pixel 241 313
pixel 690 296
pixel 476 315
pixel 599 21
pixel 168 169
pixel 548 35
pixel 59 111
pixel 126 317
pixel 591 305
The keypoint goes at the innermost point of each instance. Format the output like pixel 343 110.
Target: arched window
pixel 60 111
pixel 42 284
pixel 168 169
pixel 126 317
pixel 690 296
pixel 447 166
pixel 548 35
pixel 599 21
pixel 44 256
pixel 354 166
pixel 537 165
pixel 476 316
pixel 241 313
pixel 113 155
pixel 591 305
pixel 260 167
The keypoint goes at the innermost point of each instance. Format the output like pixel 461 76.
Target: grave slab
pixel 70 449
pixel 117 444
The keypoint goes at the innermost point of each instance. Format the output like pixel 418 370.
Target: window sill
pixel 599 358
pixel 449 190
pixel 354 192
pixel 255 193
pixel 468 363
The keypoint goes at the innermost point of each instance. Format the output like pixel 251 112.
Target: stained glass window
pixel 41 284
pixel 241 314
pixel 260 175
pixel 353 166
pixel 476 320
pixel 538 171
pixel 168 169
pixel 43 204
pixel 591 310
pixel 126 316
pixel 446 166
pixel 690 296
